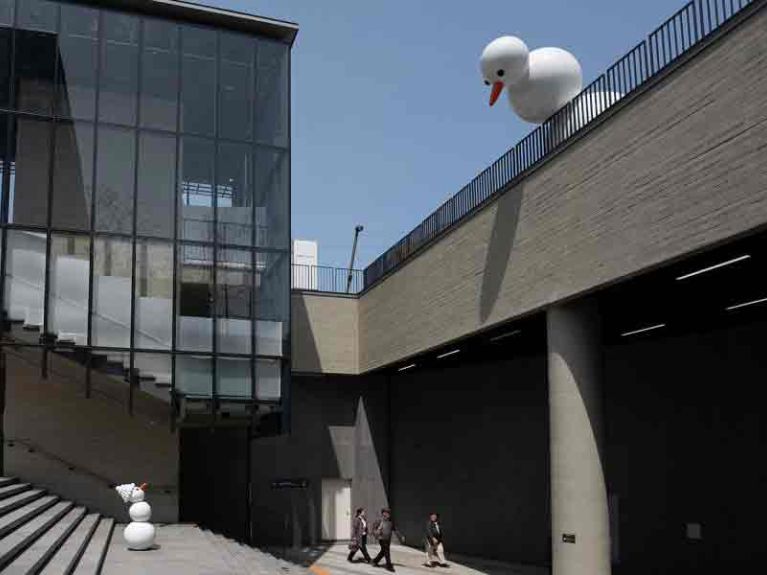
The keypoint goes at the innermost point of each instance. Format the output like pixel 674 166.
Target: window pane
pixel 4 156
pixel 37 15
pixel 6 12
pixel 156 184
pixel 234 300
pixel 235 377
pixel 78 56
pixel 272 197
pixel 195 298
pixel 155 374
pixel 154 295
pixel 272 306
pixel 114 180
pixel 73 176
pixel 272 99
pixel 159 69
pixel 109 375
pixel 196 189
pixel 30 169
pixel 194 376
pixel 236 100
pixel 6 36
pixel 112 263
pixel 198 93
pixel 25 284
pixel 119 69
pixel 68 294
pixel 268 379
pixel 234 195
pixel 35 57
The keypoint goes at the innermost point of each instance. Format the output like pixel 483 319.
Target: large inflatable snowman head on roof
pixel 538 82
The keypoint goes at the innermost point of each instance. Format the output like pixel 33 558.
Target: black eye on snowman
pixel 487 83
pixel 500 73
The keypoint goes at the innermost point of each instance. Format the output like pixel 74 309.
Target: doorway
pixel 336 509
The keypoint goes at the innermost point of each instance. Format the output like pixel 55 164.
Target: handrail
pixel 325 279
pixel 688 27
pixel 35 448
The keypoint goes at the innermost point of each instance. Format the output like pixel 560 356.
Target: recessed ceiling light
pixel 411 366
pixel 505 335
pixel 644 329
pixel 746 304
pixel 714 267
pixel 449 353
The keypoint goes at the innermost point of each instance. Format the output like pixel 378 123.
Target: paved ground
pixel 408 561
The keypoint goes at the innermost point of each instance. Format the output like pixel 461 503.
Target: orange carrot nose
pixel 143 486
pixel 497 89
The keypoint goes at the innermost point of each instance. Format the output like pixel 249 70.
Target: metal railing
pixel 326 279
pixel 691 25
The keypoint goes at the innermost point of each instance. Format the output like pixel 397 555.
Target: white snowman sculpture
pixel 139 534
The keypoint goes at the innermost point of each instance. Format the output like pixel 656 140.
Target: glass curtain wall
pixel 144 193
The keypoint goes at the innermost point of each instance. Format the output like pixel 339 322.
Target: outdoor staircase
pixel 41 533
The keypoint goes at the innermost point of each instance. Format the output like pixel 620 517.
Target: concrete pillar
pixel 580 531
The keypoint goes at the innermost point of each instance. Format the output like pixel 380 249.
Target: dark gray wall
pixel 340 432
pixel 472 443
pixel 686 435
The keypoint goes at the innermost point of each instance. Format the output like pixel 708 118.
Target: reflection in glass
pixel 78 56
pixel 30 165
pixel 159 75
pixel 198 81
pixel 234 377
pixel 268 379
pixel 236 100
pixel 35 67
pixel 272 306
pixel 271 176
pixel 6 36
pixel 114 179
pixel 25 283
pixel 194 329
pixel 194 375
pixel 72 176
pixel 4 156
pixel 112 262
pixel 196 189
pixel 272 93
pixel 119 69
pixel 68 292
pixel 154 372
pixel 234 195
pixel 156 184
pixel 6 12
pixel 109 375
pixel 37 15
pixel 234 300
pixel 154 295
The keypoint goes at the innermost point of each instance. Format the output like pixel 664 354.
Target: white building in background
pixel 304 270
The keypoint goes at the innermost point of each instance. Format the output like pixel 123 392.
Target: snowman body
pixel 139 534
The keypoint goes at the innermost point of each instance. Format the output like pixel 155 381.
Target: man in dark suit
pixel 435 549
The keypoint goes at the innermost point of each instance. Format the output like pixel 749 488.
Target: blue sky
pixel 390 115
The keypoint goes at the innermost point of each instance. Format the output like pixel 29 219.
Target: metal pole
pixel 349 278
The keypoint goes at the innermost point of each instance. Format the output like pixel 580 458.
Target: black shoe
pixel 390 569
pixel 444 565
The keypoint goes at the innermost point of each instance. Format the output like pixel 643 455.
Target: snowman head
pixel 131 493
pixel 503 63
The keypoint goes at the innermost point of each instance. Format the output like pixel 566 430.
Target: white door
pixel 336 509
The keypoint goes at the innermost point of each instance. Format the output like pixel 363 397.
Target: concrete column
pixel 580 531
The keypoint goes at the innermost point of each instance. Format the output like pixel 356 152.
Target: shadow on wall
pixel 499 249
pixel 304 352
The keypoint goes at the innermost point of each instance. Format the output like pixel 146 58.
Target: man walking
pixel 383 530
pixel 359 536
pixel 435 550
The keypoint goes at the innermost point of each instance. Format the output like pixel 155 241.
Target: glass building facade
pixel 146 200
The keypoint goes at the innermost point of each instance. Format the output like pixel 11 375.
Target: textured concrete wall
pixel 342 434
pixel 324 332
pixel 472 443
pixel 680 168
pixel 94 435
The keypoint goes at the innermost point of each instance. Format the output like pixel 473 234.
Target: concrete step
pixel 19 500
pixel 38 553
pixel 22 514
pixel 6 481
pixel 13 489
pixel 65 559
pixel 27 532
pixel 232 563
pixel 93 557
